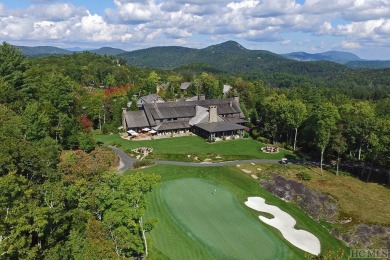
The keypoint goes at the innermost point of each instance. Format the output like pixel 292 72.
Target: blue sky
pixel 280 26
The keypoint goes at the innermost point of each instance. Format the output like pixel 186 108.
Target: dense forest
pixel 59 194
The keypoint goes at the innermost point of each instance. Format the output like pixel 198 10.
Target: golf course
pixel 201 214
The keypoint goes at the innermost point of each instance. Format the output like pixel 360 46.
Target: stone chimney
pixel 124 111
pixel 230 103
pixel 213 115
pixel 237 99
pixel 201 97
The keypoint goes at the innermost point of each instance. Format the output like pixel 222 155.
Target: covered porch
pixel 213 131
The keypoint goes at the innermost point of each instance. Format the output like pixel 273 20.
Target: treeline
pixel 60 196
pixel 324 123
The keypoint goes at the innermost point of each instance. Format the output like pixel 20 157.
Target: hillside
pixel 39 51
pixel 229 57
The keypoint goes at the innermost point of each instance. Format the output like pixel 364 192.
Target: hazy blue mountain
pixel 335 56
pixel 42 51
pixel 108 51
pixel 75 49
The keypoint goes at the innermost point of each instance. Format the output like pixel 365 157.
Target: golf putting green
pixel 201 219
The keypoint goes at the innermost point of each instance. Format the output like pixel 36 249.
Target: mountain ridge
pixel 229 53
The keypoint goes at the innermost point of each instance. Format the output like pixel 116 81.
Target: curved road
pixel 126 162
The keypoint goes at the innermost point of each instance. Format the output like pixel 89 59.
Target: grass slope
pixel 174 240
pixel 216 222
pixel 351 194
pixel 177 148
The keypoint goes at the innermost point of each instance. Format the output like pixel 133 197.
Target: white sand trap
pixel 285 223
pixel 246 171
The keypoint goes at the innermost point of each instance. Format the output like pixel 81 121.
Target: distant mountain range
pixel 349 59
pixel 40 51
pixel 229 56
pixel 335 56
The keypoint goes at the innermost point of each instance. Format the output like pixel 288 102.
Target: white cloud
pixel 350 45
pixel 55 12
pixel 154 22
pixel 285 42
pixel 324 7
pixel 325 29
pixel 384 28
pixel 12 27
pixel 243 4
pixel 276 8
pixel 361 10
pixel 132 12
pixel 360 30
pixel 49 30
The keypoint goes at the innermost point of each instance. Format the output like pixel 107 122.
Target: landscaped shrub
pixel 262 140
pixel 143 163
pixel 109 128
pixel 105 129
pixel 255 133
pixel 304 176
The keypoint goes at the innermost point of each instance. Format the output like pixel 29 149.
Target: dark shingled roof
pixel 227 109
pixel 184 109
pixel 136 119
pixel 235 120
pixel 184 85
pixel 151 98
pixel 172 126
pixel 219 127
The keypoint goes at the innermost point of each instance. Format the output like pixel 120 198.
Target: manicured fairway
pixel 193 223
pixel 214 221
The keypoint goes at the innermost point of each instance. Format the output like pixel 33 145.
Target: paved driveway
pixel 126 162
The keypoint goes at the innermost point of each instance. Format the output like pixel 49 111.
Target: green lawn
pixel 178 148
pixel 195 224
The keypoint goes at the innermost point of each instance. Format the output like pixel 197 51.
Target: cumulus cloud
pixel 243 4
pixel 156 22
pixel 55 12
pixel 285 42
pixel 276 8
pixel 361 30
pixel 350 45
pixel 131 12
pixel 361 10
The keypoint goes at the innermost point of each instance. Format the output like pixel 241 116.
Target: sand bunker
pixel 285 223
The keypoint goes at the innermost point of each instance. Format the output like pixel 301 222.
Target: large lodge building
pixel 210 119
